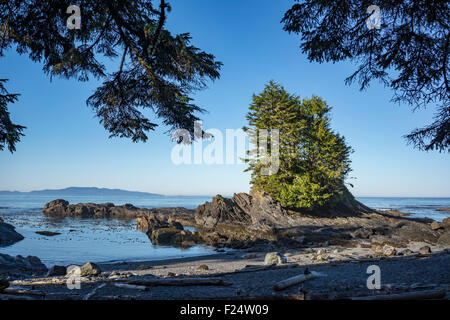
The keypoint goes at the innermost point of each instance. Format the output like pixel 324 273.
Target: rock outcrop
pixel 62 208
pixel 258 211
pixel 8 234
pixel 21 264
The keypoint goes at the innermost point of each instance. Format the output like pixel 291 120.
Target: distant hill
pixel 84 191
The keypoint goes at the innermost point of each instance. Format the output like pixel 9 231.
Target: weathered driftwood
pixel 93 292
pixel 413 295
pixel 295 280
pixel 56 281
pixel 178 282
pixel 131 286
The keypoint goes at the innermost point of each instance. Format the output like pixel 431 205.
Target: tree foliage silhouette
pixel 409 53
pixel 155 69
pixel 10 133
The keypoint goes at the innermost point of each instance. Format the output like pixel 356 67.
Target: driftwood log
pixel 131 286
pixel 295 280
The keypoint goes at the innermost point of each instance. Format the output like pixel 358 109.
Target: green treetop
pixel 313 160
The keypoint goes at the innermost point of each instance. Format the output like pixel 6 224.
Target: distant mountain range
pixel 84 191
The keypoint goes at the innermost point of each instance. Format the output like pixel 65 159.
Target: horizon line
pixel 213 195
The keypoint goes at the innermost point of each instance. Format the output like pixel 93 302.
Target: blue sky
pixel 66 146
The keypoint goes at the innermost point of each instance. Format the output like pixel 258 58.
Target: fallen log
pixel 131 286
pixel 281 285
pixel 93 292
pixel 415 295
pixel 54 281
pixel 178 282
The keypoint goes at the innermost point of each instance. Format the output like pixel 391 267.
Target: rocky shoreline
pixel 273 242
pixel 256 221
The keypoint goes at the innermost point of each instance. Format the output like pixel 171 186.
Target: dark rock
pixel 414 231
pixel 219 210
pixel 175 224
pixel 444 240
pixel 8 234
pixel 425 250
pixel 48 233
pixel 166 237
pixel 62 208
pixel 150 221
pixel 90 269
pixel 21 264
pixel 203 267
pixel 57 271
pixel 3 284
pixel 443 209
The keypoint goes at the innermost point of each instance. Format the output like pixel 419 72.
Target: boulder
pixel 21 264
pixel 445 223
pixel 150 221
pixel 8 234
pixel 406 252
pixel 389 251
pixel 56 271
pixel 444 240
pixel 56 207
pixel 362 233
pixel 47 233
pixel 166 237
pixel 274 258
pixel 425 250
pixel 219 210
pixel 90 269
pixel 203 267
pixel 435 225
pixel 385 240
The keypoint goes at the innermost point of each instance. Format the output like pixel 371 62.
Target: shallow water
pixel 81 240
pixel 108 240
pixel 416 207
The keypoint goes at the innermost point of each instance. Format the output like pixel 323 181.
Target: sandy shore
pixel 245 276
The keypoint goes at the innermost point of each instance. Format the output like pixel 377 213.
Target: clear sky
pixel 66 146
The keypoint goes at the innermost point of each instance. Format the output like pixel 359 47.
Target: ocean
pixel 112 240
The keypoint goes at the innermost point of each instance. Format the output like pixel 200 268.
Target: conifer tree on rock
pixel 313 159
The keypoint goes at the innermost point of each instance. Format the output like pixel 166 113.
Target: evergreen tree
pixel 154 68
pixel 9 132
pixel 313 160
pixel 408 53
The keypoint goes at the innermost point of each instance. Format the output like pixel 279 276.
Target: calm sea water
pixel 109 240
